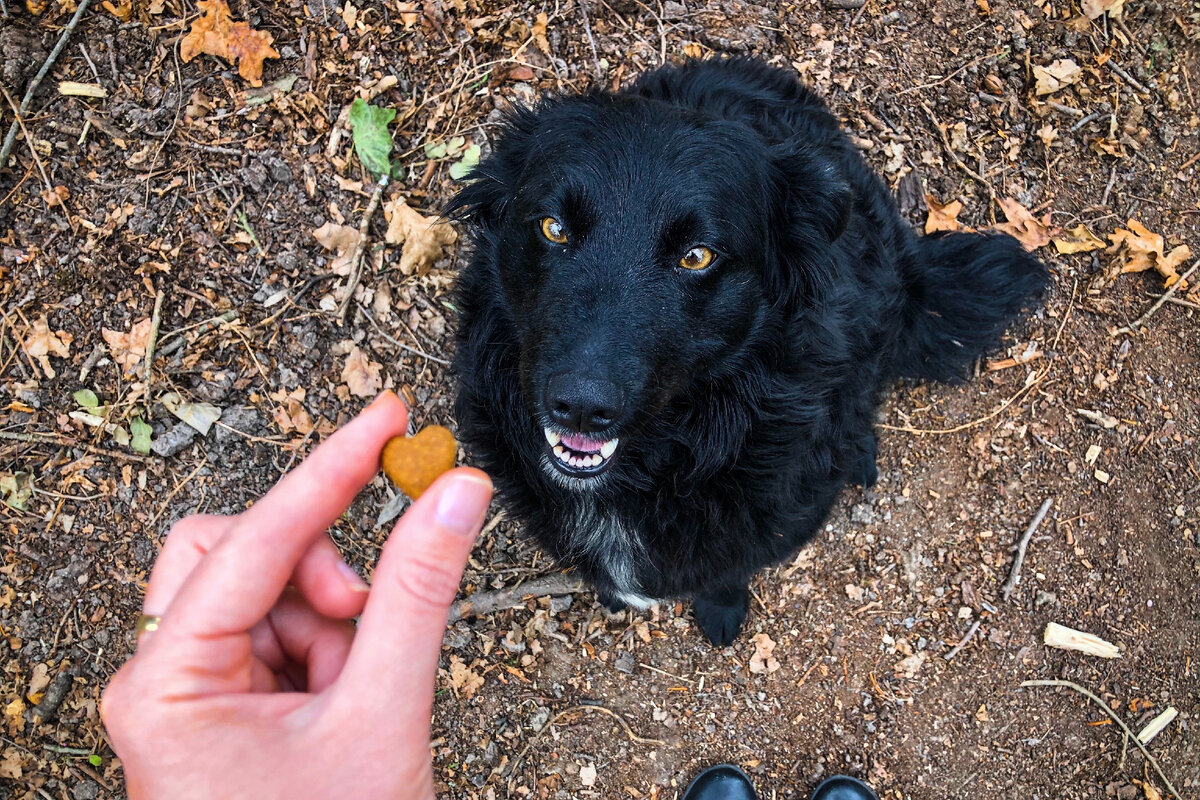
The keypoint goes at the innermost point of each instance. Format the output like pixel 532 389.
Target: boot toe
pixel 722 782
pixel 843 787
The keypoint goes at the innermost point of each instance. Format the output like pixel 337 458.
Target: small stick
pixel 356 260
pixel 1019 559
pixel 32 150
pixel 961 164
pixel 970 635
pixel 1074 112
pixel 70 441
pixel 553 720
pixel 587 29
pixel 178 340
pixel 155 320
pixel 1128 78
pixel 398 343
pixel 37 79
pixel 1112 179
pixel 1114 718
pixel 482 603
pixel 1140 321
pixel 1085 121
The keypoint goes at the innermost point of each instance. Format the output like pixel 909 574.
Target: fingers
pixel 396 648
pixel 317 644
pixel 244 574
pixel 325 580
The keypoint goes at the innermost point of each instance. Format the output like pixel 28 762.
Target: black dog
pixel 684 301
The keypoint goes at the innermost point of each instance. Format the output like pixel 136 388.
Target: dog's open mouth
pixel 578 455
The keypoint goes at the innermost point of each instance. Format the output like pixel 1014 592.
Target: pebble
pixel 862 514
pixel 625 662
pixel 242 418
pixel 175 439
pixel 85 790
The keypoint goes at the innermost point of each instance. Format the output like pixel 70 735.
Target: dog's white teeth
pixel 607 449
pixel 558 451
pixel 552 437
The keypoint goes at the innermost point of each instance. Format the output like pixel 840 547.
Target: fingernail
pixel 353 582
pixel 382 398
pixel 463 504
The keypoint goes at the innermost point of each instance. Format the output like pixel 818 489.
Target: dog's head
pixel 638 249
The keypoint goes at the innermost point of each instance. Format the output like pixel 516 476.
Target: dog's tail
pixel 963 291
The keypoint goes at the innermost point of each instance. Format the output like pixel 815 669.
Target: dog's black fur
pixel 743 395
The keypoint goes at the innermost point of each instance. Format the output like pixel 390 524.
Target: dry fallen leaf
pixel 414 463
pixel 1056 75
pixel 1077 240
pixel 763 661
pixel 216 34
pixel 538 31
pixel 291 415
pixel 1140 250
pixel 342 239
pixel 10 764
pixel 465 681
pixel 128 349
pixel 424 238
pixel 1030 231
pixel 41 343
pixel 361 374
pixel 1094 8
pixel 942 217
pixel 911 665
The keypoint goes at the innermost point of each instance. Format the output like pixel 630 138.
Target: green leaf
pixel 86 398
pixel 141 435
pixel 436 151
pixel 16 489
pixel 372 141
pixel 95 760
pixel 456 143
pixel 460 169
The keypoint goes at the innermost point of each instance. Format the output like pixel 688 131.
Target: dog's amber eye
pixel 696 258
pixel 552 229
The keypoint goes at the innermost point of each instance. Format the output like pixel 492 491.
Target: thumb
pixel 395 652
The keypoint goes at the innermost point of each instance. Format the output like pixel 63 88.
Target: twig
pixel 155 320
pixel 970 635
pixel 1128 78
pixel 1076 687
pixel 1085 121
pixel 19 122
pixel 356 260
pixel 178 340
pixel 1175 301
pixel 587 29
pixel 171 496
pixel 1074 112
pixel 398 343
pixel 1112 179
pixel 961 164
pixel 940 81
pixel 37 79
pixel 1140 321
pixel 573 709
pixel 482 603
pixel 70 441
pixel 60 687
pixel 1015 574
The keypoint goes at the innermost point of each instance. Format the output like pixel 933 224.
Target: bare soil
pixel 184 182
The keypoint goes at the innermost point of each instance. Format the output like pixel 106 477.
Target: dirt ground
pixel 187 185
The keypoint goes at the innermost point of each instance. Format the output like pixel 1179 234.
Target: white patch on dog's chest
pixel 607 541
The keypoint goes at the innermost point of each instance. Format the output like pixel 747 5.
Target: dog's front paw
pixel 866 472
pixel 721 614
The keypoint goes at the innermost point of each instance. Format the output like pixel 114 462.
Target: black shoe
pixel 843 787
pixel 722 782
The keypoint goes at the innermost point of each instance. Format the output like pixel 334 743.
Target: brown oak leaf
pixel 128 348
pixel 1140 250
pixel 942 217
pixel 361 374
pixel 41 343
pixel 1030 231
pixel 342 239
pixel 424 238
pixel 216 34
pixel 1077 240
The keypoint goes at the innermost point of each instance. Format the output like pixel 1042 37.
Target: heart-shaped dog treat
pixel 414 463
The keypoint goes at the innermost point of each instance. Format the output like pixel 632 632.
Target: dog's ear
pixel 812 192
pixel 813 203
pixel 492 185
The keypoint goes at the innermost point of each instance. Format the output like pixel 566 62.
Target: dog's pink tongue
pixel 581 444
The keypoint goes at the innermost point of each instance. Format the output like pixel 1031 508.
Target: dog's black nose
pixel 582 403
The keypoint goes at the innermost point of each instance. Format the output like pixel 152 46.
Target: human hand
pixel 255 683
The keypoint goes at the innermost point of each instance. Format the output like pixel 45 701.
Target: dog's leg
pixel 720 613
pixel 865 472
pixel 613 605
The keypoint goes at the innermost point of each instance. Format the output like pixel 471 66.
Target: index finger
pixel 242 577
